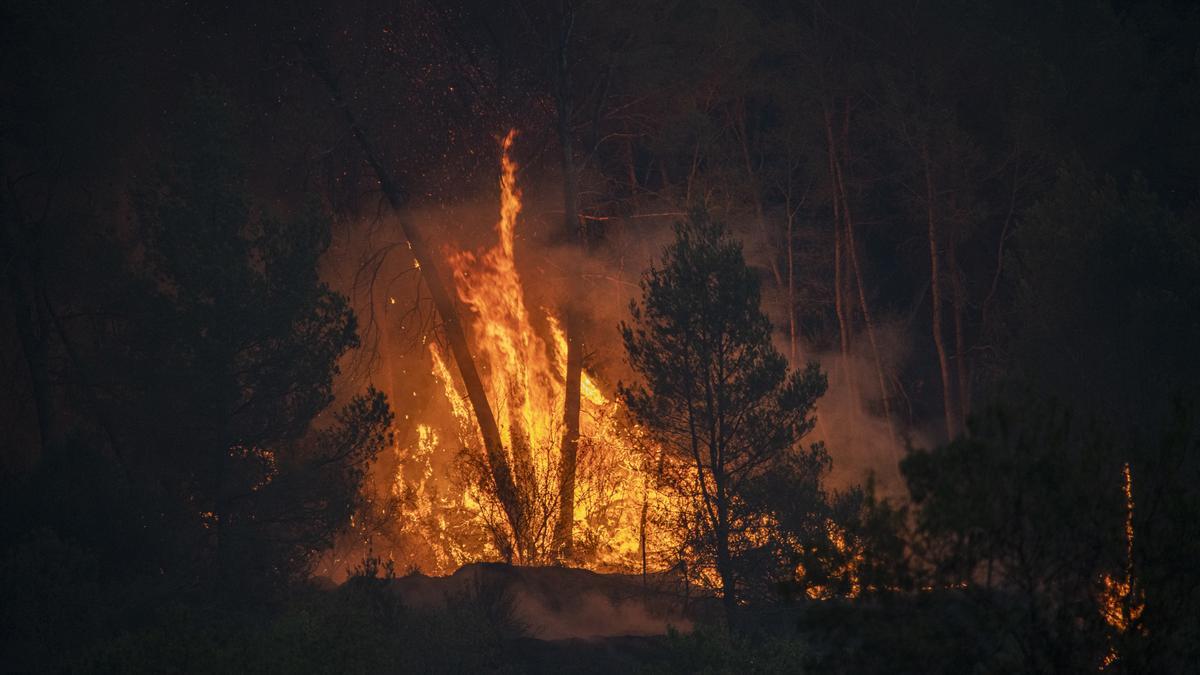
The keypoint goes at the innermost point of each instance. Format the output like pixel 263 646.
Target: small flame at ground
pixel 1121 604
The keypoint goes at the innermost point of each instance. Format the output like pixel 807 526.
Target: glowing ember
pixel 854 557
pixel 846 572
pixel 1121 604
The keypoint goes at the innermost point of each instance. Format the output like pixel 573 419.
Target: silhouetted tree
pixel 237 358
pixel 715 391
pixel 1026 509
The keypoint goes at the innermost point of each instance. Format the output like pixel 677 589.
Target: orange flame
pixel 524 374
pixel 630 509
pixel 1121 603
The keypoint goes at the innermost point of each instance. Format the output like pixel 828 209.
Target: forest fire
pixel 626 518
pixel 838 337
pixel 523 372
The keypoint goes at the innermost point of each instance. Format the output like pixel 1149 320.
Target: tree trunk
pixel 564 527
pixel 563 534
pixel 642 529
pixel 752 178
pixel 501 471
pixel 630 168
pixel 791 287
pixel 935 287
pixel 852 248
pixel 725 561
pixel 958 303
pixel 838 303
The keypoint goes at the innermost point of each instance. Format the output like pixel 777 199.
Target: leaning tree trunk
pixel 852 249
pixel 935 288
pixel 760 218
pixel 725 560
pixel 501 470
pixel 564 527
pixel 838 297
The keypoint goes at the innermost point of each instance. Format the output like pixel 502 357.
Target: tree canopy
pixel 717 394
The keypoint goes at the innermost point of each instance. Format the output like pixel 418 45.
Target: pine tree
pixel 715 391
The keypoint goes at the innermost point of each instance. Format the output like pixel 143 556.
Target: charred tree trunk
pixel 645 515
pixel 570 442
pixel 563 535
pixel 642 529
pixel 498 464
pixel 725 560
pixel 935 288
pixel 564 529
pixel 630 168
pixel 791 205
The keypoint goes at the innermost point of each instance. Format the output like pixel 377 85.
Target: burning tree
pixel 527 379
pixel 717 394
pixel 439 520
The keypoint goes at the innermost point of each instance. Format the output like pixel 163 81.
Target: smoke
pixel 850 418
pixel 556 603
pixel 371 263
pixel 859 439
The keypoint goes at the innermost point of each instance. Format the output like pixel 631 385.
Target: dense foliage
pixel 719 398
pixel 184 457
